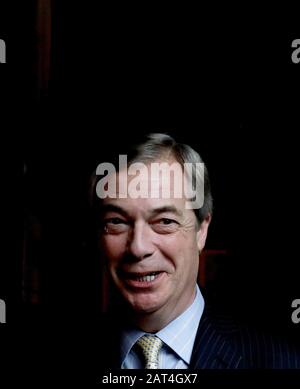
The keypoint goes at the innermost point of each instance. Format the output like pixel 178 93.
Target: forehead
pixel 161 179
pixel 146 192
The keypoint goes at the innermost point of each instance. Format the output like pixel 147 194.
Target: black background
pixel 229 90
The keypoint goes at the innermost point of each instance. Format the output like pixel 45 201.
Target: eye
pixel 114 220
pixel 166 221
pixel 114 225
pixel 165 225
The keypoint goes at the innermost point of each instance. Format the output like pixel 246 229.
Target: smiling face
pixel 152 250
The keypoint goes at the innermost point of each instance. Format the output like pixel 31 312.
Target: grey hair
pixel 157 146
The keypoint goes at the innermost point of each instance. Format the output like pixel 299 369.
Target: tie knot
pixel 150 346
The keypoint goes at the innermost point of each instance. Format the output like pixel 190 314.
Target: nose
pixel 140 245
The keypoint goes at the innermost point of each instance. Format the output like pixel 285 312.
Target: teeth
pixel 147 278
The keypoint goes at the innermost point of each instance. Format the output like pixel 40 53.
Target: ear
pixel 202 232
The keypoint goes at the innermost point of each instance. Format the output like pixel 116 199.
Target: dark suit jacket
pixel 222 344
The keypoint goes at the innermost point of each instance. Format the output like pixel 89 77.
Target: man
pixel 152 229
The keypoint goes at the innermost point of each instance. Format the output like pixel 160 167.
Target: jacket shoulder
pixel 223 342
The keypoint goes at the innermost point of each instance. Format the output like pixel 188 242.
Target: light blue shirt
pixel 178 337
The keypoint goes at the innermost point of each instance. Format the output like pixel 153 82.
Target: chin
pixel 143 304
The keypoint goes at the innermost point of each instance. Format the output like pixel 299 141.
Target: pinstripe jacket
pixel 222 344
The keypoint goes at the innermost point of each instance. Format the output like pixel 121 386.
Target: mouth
pixel 142 280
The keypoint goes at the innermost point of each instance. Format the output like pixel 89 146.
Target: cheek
pixel 173 252
pixel 179 248
pixel 185 258
pixel 167 245
pixel 113 247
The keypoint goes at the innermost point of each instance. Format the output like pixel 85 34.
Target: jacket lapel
pixel 213 347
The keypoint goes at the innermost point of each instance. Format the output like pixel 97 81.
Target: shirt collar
pixel 179 334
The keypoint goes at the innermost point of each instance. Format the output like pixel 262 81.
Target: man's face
pixel 152 250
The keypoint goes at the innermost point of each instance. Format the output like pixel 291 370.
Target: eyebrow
pixel 113 208
pixel 165 209
pixel 153 212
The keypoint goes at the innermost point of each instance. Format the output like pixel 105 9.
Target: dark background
pixel 232 93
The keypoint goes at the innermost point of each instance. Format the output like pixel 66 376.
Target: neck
pixel 155 321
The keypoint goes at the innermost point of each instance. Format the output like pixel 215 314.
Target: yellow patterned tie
pixel 150 346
